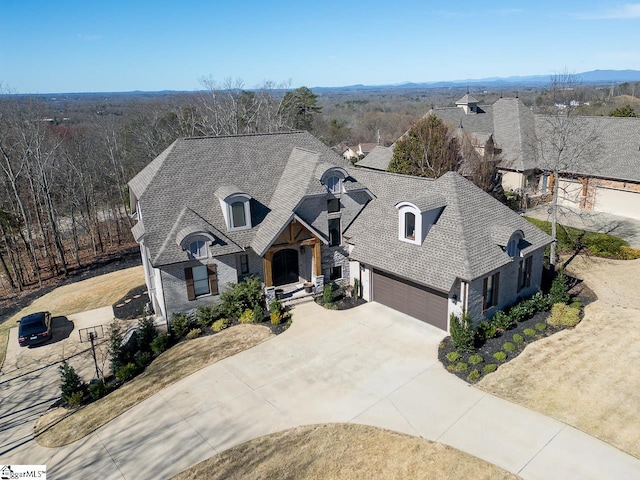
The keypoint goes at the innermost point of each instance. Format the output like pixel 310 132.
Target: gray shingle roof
pixel 467 99
pixel 459 245
pixel 189 172
pixel 378 158
pixel 606 147
pixel 514 127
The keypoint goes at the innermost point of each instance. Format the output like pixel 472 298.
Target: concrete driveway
pixel 626 228
pixel 367 365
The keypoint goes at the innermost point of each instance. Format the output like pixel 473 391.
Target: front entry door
pixel 285 267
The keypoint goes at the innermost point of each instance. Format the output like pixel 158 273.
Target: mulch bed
pixel 132 304
pixel 341 302
pixel 493 345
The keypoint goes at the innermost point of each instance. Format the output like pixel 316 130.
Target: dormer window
pixel 417 217
pixel 334 184
pixel 513 247
pixel 238 215
pixel 198 249
pixel 236 207
pixel 410 225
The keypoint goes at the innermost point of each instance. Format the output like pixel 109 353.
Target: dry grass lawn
pixel 587 377
pixel 60 427
pixel 344 451
pixel 77 297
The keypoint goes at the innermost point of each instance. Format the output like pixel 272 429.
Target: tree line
pixel 63 181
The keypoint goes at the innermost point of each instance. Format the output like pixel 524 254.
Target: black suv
pixel 34 328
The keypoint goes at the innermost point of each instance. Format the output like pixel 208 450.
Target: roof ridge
pixel 240 135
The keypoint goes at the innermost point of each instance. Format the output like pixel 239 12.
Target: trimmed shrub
pixel 258 314
pixel 276 318
pixel 98 389
pixel 501 320
pixel 559 292
pixel 486 330
pixel 180 325
pixel 247 316
pixel 160 343
pixel 146 334
pixel 193 333
pixel 476 359
pixel 541 327
pixel 603 245
pixel 628 253
pixel 143 359
pixel 529 332
pixel 356 288
pixel 126 372
pixel 517 338
pixel 275 306
pixel 74 399
pixel 508 347
pixel 500 356
pixel 205 316
pixel 327 293
pixel 540 302
pixel 117 355
pixel 70 382
pixel 563 316
pixel 576 303
pixel 242 296
pixel 220 325
pixel 473 375
pixel 462 332
pixel 453 356
pixel 462 367
pixel 490 367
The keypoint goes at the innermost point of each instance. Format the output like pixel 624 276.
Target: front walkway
pixel 369 365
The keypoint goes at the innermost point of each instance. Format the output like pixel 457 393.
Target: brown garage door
pixel 410 298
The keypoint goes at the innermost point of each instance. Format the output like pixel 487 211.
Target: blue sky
pixel 113 45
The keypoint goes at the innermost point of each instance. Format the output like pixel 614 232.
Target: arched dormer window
pixel 236 207
pixel 410 225
pixel 334 184
pixel 331 176
pixel 513 246
pixel 198 249
pixel 238 215
pixel 416 217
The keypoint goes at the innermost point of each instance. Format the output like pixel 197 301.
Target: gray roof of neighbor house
pixel 176 190
pixel 605 147
pixel 378 159
pixel 461 244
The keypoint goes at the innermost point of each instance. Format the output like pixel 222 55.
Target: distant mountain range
pixel 591 77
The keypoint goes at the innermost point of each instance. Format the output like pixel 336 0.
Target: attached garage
pixel 618 202
pixel 410 298
pixel 569 193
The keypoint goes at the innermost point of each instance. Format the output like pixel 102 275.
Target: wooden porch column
pixel 317 259
pixel 266 265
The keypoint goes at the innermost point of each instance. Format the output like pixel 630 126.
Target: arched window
pixel 512 246
pixel 198 249
pixel 238 216
pixel 333 184
pixel 409 225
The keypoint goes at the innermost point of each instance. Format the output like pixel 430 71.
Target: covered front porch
pixel 295 257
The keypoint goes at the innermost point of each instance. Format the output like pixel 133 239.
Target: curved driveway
pixel 369 365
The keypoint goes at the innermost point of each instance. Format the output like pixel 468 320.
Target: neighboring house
pixel 608 178
pixel 286 208
pixel 358 151
pixel 378 158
